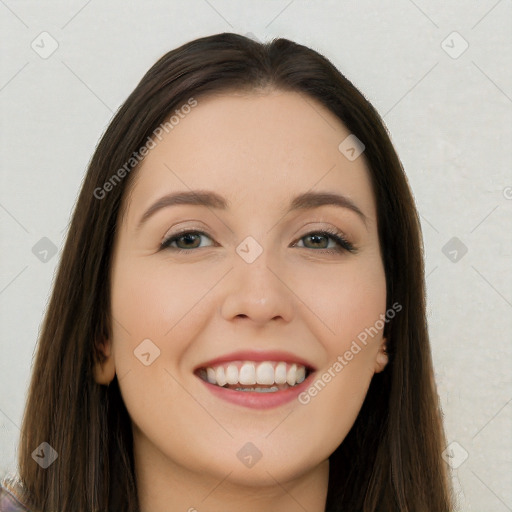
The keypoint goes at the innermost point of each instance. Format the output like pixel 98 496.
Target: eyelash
pixel 343 244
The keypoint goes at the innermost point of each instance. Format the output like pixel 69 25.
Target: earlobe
pixel 104 367
pixel 382 358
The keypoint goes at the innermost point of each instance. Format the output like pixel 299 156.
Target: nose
pixel 257 291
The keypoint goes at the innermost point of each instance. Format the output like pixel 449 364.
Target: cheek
pixel 146 304
pixel 351 313
pixel 152 301
pixel 332 403
pixel 150 298
pixel 348 301
pixel 157 313
pixel 361 306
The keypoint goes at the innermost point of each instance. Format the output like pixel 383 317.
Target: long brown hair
pixel 391 458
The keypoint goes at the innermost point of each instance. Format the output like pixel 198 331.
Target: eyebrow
pixel 209 199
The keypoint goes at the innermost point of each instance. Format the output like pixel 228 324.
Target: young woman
pixel 238 319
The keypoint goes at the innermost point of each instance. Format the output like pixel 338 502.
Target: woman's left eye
pixel 341 244
pixel 192 240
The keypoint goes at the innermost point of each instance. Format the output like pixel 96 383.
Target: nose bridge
pixel 256 291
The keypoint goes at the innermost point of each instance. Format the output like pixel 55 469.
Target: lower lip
pixel 256 400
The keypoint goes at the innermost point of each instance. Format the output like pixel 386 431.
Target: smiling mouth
pixel 258 377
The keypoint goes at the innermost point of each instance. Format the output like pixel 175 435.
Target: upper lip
pixel 253 355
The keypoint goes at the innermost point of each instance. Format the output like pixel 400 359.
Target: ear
pixel 381 359
pixel 104 367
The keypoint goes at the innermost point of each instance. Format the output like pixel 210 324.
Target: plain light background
pixel 438 72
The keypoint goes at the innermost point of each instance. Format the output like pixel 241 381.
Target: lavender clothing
pixel 13 496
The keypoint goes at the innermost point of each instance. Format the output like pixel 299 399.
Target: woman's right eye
pixel 187 238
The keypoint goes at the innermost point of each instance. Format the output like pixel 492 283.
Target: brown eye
pixel 184 241
pixel 317 239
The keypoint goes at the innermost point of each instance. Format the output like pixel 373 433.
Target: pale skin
pixel 258 151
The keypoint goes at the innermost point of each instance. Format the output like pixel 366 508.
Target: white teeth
pixel 210 376
pixel 291 376
pixel 232 374
pixel 280 373
pixel 220 376
pixel 301 374
pixel 247 374
pixel 265 374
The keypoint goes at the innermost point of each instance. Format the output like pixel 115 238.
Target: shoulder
pixel 13 495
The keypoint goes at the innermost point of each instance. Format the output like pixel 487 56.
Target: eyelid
pixel 196 229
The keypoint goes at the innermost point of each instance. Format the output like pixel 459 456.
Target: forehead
pixel 256 149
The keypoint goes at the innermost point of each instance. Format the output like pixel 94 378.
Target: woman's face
pixel 256 288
